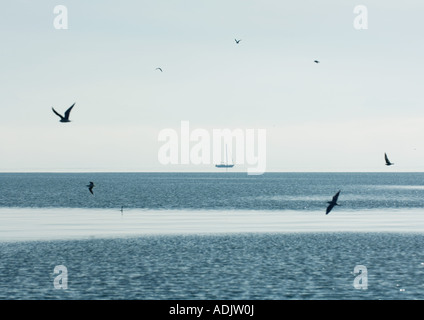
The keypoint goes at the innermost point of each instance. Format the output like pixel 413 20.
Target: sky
pixel 363 99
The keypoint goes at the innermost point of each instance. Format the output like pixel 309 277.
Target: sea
pixel 211 236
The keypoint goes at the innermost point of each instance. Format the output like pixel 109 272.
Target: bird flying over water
pixel 237 41
pixel 386 158
pixel 316 61
pixel 66 117
pixel 160 69
pixel 90 187
pixel 333 202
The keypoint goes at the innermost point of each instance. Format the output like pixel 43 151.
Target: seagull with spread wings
pixel 64 118
pixel 332 203
pixel 386 158
pixel 90 187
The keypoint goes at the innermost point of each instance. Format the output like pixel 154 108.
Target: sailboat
pixel 226 164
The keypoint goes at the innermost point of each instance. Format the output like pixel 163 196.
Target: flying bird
pixel 66 117
pixel 316 61
pixel 90 187
pixel 388 163
pixel 332 203
pixel 237 41
pixel 160 69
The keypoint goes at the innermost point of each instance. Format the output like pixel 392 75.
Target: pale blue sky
pixel 364 98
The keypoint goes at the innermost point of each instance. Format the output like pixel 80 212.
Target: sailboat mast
pixel 225 164
pixel 226 155
pixel 226 159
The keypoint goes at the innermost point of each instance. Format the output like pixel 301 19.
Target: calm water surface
pixel 232 191
pixel 237 266
pixel 211 236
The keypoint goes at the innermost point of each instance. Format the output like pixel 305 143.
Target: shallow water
pixel 21 224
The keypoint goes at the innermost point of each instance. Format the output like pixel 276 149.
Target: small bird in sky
pixel 66 117
pixel 237 41
pixel 90 187
pixel 316 61
pixel 386 158
pixel 332 203
pixel 160 69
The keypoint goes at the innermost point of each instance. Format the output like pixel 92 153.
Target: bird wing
pixel 330 206
pixel 91 190
pixel 68 111
pixel 57 113
pixel 386 158
pixel 336 196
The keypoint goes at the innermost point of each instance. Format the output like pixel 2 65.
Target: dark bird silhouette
pixel 160 69
pixel 386 158
pixel 332 203
pixel 316 61
pixel 90 187
pixel 237 41
pixel 66 117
